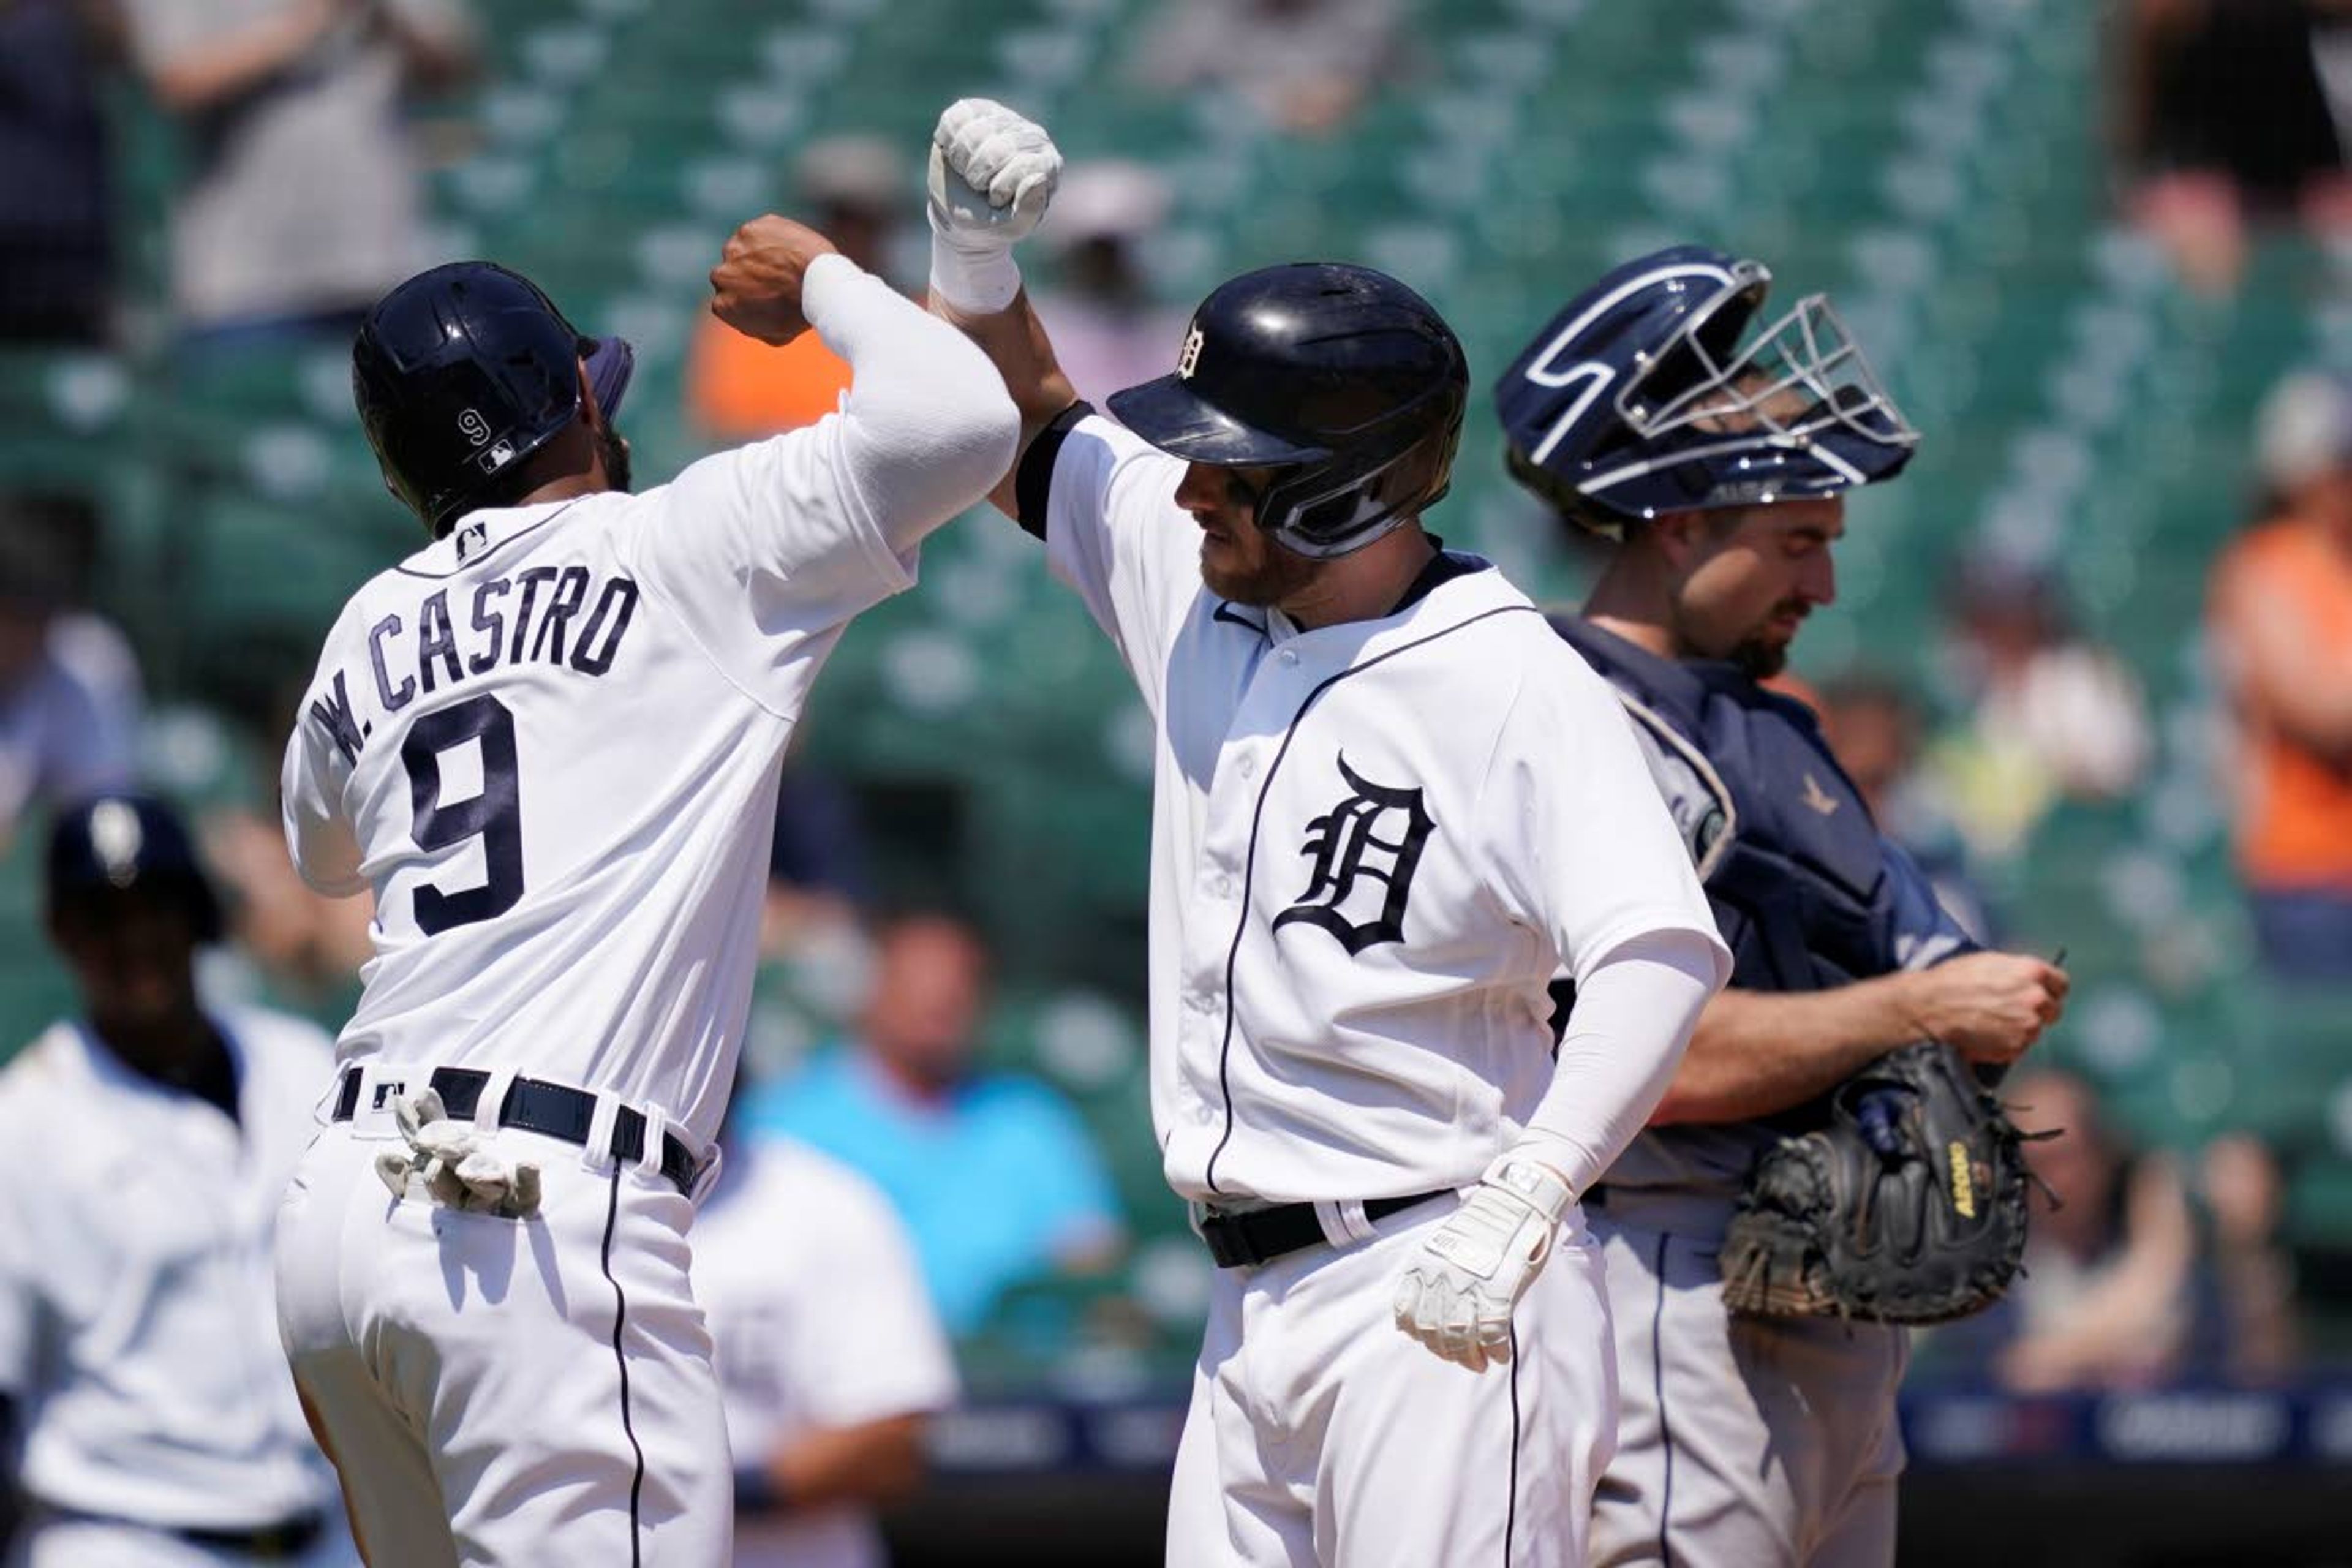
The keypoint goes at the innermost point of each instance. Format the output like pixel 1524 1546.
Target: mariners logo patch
pixel 1363 855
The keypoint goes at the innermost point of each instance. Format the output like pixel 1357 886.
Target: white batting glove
pixel 1457 1293
pixel 452 1162
pixel 992 173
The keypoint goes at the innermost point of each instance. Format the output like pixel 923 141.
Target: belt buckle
pixel 380 1084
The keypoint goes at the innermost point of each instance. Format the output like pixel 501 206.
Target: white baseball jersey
pixel 138 1326
pixel 1374 845
pixel 550 743
pixel 820 1318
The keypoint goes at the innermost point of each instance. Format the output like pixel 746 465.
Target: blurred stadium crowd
pixel 2092 661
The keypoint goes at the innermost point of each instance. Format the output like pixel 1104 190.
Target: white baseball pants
pixel 1318 1434
pixel 1746 1442
pixel 505 1391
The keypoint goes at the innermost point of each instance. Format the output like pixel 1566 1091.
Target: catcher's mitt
pixel 1908 1207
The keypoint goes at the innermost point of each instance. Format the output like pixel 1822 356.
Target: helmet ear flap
pixel 1350 515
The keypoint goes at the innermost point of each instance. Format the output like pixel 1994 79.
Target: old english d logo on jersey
pixel 1375 834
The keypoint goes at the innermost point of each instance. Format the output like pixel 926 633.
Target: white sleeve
pixel 1625 1037
pixel 874 1349
pixel 320 755
pixel 20 1299
pixel 768 544
pixel 1113 531
pixel 1579 841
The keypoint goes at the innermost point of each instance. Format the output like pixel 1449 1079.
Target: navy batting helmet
pixel 463 372
pixel 1638 399
pixel 1339 376
pixel 111 845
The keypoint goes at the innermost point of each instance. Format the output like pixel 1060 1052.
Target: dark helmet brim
pixel 1170 415
pixel 611 362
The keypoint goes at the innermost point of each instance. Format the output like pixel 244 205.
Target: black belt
pixel 286 1538
pixel 550 1109
pixel 1260 1235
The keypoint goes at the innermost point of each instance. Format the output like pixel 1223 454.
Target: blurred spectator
pixel 56 206
pixel 2225 113
pixel 857 189
pixel 301 204
pixel 2050 715
pixel 830 1356
pixel 2105 1299
pixel 1872 725
pixel 1304 65
pixel 818 877
pixel 992 1171
pixel 291 945
pixel 69 686
pixel 2281 619
pixel 1109 332
pixel 2248 1315
pixel 153 1419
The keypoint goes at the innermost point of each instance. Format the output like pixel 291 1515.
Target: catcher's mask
pixel 1637 397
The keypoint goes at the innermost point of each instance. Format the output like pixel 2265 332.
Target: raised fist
pixel 756 287
pixel 993 172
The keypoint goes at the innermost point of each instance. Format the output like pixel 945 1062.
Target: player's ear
pixel 1685 538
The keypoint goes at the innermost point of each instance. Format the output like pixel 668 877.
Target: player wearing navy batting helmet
pixel 1367 871
pixel 548 745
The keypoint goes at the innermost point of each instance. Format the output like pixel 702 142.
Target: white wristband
pixel 978 278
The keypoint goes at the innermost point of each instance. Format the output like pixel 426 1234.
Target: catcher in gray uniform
pixel 1757 1427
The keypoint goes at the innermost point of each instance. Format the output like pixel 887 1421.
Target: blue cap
pixel 113 844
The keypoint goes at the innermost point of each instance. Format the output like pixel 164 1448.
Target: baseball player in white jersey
pixel 830 1355
pixel 154 1424
pixel 1367 869
pixel 549 742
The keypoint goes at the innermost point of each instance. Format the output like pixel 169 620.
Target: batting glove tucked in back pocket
pixel 1458 1290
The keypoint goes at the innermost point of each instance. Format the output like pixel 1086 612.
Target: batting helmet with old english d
pixel 1340 378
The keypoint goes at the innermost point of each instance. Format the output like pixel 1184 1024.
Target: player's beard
pixel 1268 575
pixel 1765 654
pixel 615 449
pixel 1760 659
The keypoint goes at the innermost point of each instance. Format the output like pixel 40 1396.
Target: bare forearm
pixel 873 1463
pixel 232 65
pixel 1015 342
pixel 1758 1052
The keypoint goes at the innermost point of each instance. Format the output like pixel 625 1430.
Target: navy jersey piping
pixel 621 1360
pixel 1511 1506
pixel 468 565
pixel 1249 863
pixel 1665 1427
